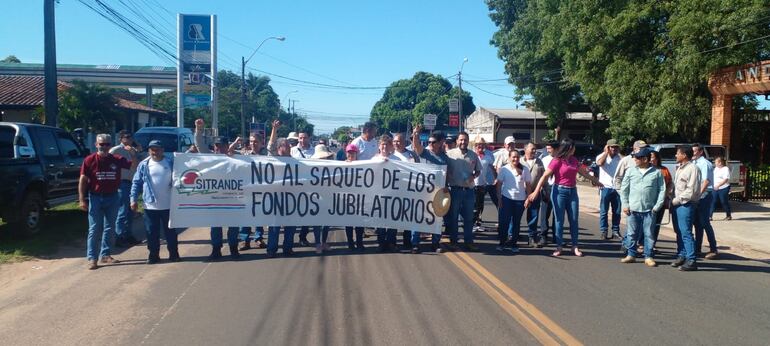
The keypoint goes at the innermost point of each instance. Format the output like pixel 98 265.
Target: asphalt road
pixel 397 298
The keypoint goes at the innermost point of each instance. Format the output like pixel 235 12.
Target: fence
pixel 758 183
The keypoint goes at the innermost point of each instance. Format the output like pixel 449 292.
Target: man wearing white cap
pixel 501 156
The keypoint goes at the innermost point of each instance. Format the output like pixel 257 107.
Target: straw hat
pixel 321 152
pixel 441 202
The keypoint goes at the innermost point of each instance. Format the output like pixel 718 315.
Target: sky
pixel 347 43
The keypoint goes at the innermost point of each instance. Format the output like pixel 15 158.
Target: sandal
pixel 577 252
pixel 557 253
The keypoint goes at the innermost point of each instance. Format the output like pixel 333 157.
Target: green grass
pixel 64 225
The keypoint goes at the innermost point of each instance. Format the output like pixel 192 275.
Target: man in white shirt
pixel 303 149
pixel 485 182
pixel 366 143
pixel 608 162
pixel 153 180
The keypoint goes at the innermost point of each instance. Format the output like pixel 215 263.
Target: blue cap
pixel 155 143
pixel 643 152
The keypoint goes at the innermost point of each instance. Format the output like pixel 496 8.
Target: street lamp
pixel 460 94
pixel 243 81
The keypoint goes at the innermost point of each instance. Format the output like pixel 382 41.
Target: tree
pixel 405 101
pixel 87 106
pixel 341 133
pixel 11 59
pixel 643 64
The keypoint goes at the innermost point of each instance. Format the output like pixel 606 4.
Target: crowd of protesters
pixel 524 186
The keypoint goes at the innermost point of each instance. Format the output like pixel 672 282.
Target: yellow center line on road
pixel 513 303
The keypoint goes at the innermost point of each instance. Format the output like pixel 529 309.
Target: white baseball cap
pixel 509 139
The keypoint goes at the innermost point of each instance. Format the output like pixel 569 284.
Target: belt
pixel 461 187
pixel 565 187
pixel 103 194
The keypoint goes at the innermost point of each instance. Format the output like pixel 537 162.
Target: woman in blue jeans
pixel 564 167
pixel 512 187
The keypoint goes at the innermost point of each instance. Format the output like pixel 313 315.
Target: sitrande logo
pixel 189 183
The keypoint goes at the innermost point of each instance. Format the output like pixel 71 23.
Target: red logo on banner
pixel 454 120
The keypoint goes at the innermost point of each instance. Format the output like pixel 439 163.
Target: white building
pixel 494 125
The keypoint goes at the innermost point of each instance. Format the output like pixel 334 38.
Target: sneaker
pixel 515 249
pixel 650 262
pixel 234 254
pixel 531 242
pixel 603 236
pixel 174 257
pixel 616 235
pixel 109 260
pixel 215 255
pixel 557 253
pixel 477 229
pixel 272 254
pixel 711 256
pixel 679 261
pixel 628 259
pixel 728 218
pixel 153 260
pixel 542 242
pixel 471 247
pixel 319 249
pixel 416 250
pixel 246 246
pixel 688 266
pixel 92 265
pixel 500 248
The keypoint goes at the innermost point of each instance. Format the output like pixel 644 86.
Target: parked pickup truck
pixel 737 169
pixel 39 168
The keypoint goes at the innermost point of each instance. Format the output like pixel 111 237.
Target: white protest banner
pixel 217 190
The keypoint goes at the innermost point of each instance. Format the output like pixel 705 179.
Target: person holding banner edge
pixel 386 237
pixel 153 179
pixel 433 154
pixel 220 147
pixel 351 154
pixel 321 233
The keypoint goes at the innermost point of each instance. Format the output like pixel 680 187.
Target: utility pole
pixel 244 60
pixel 460 98
pixel 243 96
pixel 51 96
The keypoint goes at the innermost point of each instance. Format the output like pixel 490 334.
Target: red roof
pixel 30 91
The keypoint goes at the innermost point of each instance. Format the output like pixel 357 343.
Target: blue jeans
pixel 682 218
pixel 435 239
pixel 546 210
pixel 723 197
pixel 156 221
pixel 509 216
pixel 480 193
pixel 565 199
pixel 246 231
pixel 288 238
pixel 532 215
pixel 609 197
pixel 125 215
pixel 702 223
pixel 321 234
pixel 639 224
pixel 463 201
pixel 102 211
pixel 216 237
pixel 359 239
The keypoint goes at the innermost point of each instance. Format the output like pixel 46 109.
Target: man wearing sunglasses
pixel 100 177
pixel 124 237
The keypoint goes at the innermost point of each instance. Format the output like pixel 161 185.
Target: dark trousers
pixel 155 222
pixel 359 239
pixel 481 192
